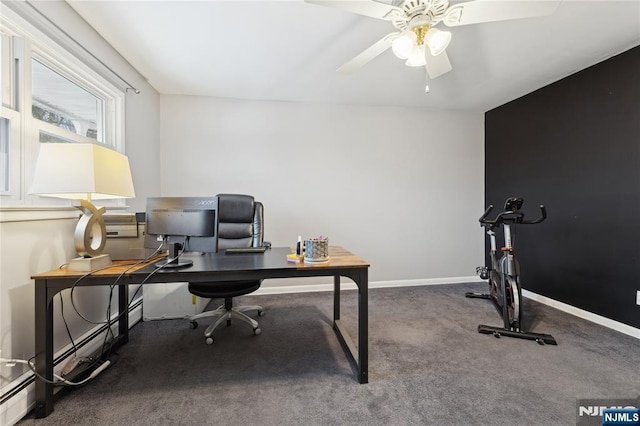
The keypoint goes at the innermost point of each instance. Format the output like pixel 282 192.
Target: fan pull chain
pixel 426 86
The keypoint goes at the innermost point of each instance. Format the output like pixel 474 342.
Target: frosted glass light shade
pixel 403 45
pixel 81 171
pixel 417 57
pixel 437 40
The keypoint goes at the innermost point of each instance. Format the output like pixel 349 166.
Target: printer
pixel 125 235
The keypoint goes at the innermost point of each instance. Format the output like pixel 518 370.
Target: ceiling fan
pixel 416 39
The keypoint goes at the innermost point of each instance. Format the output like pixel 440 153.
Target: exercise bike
pixel 504 273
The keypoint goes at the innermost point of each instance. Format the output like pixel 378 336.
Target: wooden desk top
pixel 117 268
pixel 339 257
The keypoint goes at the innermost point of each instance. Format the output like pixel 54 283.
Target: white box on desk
pixel 169 301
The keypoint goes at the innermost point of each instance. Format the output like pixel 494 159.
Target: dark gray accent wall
pixel 574 146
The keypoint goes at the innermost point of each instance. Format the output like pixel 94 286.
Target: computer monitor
pixel 182 224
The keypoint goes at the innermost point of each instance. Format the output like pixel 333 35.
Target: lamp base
pixel 88 264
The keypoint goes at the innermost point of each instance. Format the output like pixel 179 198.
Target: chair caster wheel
pixel 540 342
pixel 209 340
pixel 260 313
pixel 496 334
pixel 193 325
pixel 257 331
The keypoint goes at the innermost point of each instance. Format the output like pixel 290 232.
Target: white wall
pixel 402 188
pixel 142 141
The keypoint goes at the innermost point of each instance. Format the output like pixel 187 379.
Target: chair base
pixel 222 313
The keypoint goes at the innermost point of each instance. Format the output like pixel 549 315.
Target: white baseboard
pixel 12 411
pixel 349 285
pixel 581 313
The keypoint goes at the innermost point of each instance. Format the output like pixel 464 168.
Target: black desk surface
pixel 272 259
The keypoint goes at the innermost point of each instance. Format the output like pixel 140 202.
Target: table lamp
pixel 84 172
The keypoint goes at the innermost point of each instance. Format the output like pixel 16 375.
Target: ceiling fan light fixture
pixel 403 45
pixel 417 57
pixel 414 20
pixel 437 40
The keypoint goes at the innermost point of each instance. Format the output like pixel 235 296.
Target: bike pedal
pixel 482 272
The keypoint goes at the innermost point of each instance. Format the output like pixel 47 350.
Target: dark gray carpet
pixel 428 365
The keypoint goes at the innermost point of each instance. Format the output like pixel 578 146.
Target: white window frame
pixel 28 42
pixel 6 71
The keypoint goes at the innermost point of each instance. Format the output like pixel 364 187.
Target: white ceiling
pixel 289 51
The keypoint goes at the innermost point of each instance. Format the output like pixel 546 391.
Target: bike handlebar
pixel 543 216
pixel 511 217
pixel 486 213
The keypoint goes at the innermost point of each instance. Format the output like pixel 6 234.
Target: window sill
pixel 36 213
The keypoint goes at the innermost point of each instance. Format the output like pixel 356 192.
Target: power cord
pixel 108 321
pixel 112 286
pixel 74 361
pixel 61 379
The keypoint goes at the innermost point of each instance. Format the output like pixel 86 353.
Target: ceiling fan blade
pixel 474 12
pixel 437 65
pixel 368 54
pixel 369 8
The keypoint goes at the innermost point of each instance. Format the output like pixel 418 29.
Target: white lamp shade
pixel 404 44
pixel 437 40
pixel 81 171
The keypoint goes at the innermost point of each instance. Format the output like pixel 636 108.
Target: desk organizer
pixel 316 250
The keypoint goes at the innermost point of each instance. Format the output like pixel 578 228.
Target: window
pixel 10 160
pixel 61 102
pixel 5 122
pixel 48 95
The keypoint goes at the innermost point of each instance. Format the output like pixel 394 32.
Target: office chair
pixel 240 224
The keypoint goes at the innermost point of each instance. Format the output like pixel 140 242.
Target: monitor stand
pixel 173 260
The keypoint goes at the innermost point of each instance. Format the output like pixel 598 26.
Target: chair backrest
pixel 240 221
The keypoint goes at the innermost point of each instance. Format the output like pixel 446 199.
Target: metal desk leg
pixel 359 357
pixel 123 313
pixel 44 349
pixel 336 298
pixel 363 325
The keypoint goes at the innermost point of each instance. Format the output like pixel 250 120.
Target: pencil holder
pixel 316 249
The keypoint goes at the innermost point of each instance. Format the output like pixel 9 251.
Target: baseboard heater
pixel 63 356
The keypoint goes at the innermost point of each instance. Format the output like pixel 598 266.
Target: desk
pixel 206 268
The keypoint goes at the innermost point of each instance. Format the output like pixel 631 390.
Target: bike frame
pixel 507 267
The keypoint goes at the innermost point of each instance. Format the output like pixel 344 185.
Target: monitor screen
pixel 190 221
